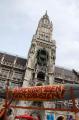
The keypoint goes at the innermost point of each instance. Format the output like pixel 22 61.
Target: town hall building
pixel 38 69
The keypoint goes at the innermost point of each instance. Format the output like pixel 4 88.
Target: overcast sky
pixel 19 20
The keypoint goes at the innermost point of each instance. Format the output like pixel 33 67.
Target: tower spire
pixel 45 16
pixel 46 12
pixel 45 28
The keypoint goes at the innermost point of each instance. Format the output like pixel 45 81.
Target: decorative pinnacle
pixel 46 13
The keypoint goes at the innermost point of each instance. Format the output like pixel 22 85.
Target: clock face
pixel 42 57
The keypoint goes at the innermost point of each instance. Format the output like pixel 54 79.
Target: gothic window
pixel 46 38
pixel 5 72
pixel 2 84
pixel 44 21
pixel 41 76
pixel 42 57
pixel 17 75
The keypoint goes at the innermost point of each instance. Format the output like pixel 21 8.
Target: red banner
pixel 38 93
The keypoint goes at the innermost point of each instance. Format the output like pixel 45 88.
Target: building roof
pixel 59 71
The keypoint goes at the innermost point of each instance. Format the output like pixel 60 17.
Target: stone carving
pixel 32 50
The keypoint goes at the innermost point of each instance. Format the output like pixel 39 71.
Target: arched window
pixel 41 76
pixel 42 57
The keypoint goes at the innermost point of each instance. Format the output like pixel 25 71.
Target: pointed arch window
pixel 41 76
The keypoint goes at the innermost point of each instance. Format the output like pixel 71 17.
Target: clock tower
pixel 40 62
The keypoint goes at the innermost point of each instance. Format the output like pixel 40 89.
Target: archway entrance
pixel 41 76
pixel 60 118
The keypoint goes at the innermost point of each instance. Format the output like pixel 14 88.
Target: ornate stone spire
pixel 44 29
pixel 46 15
